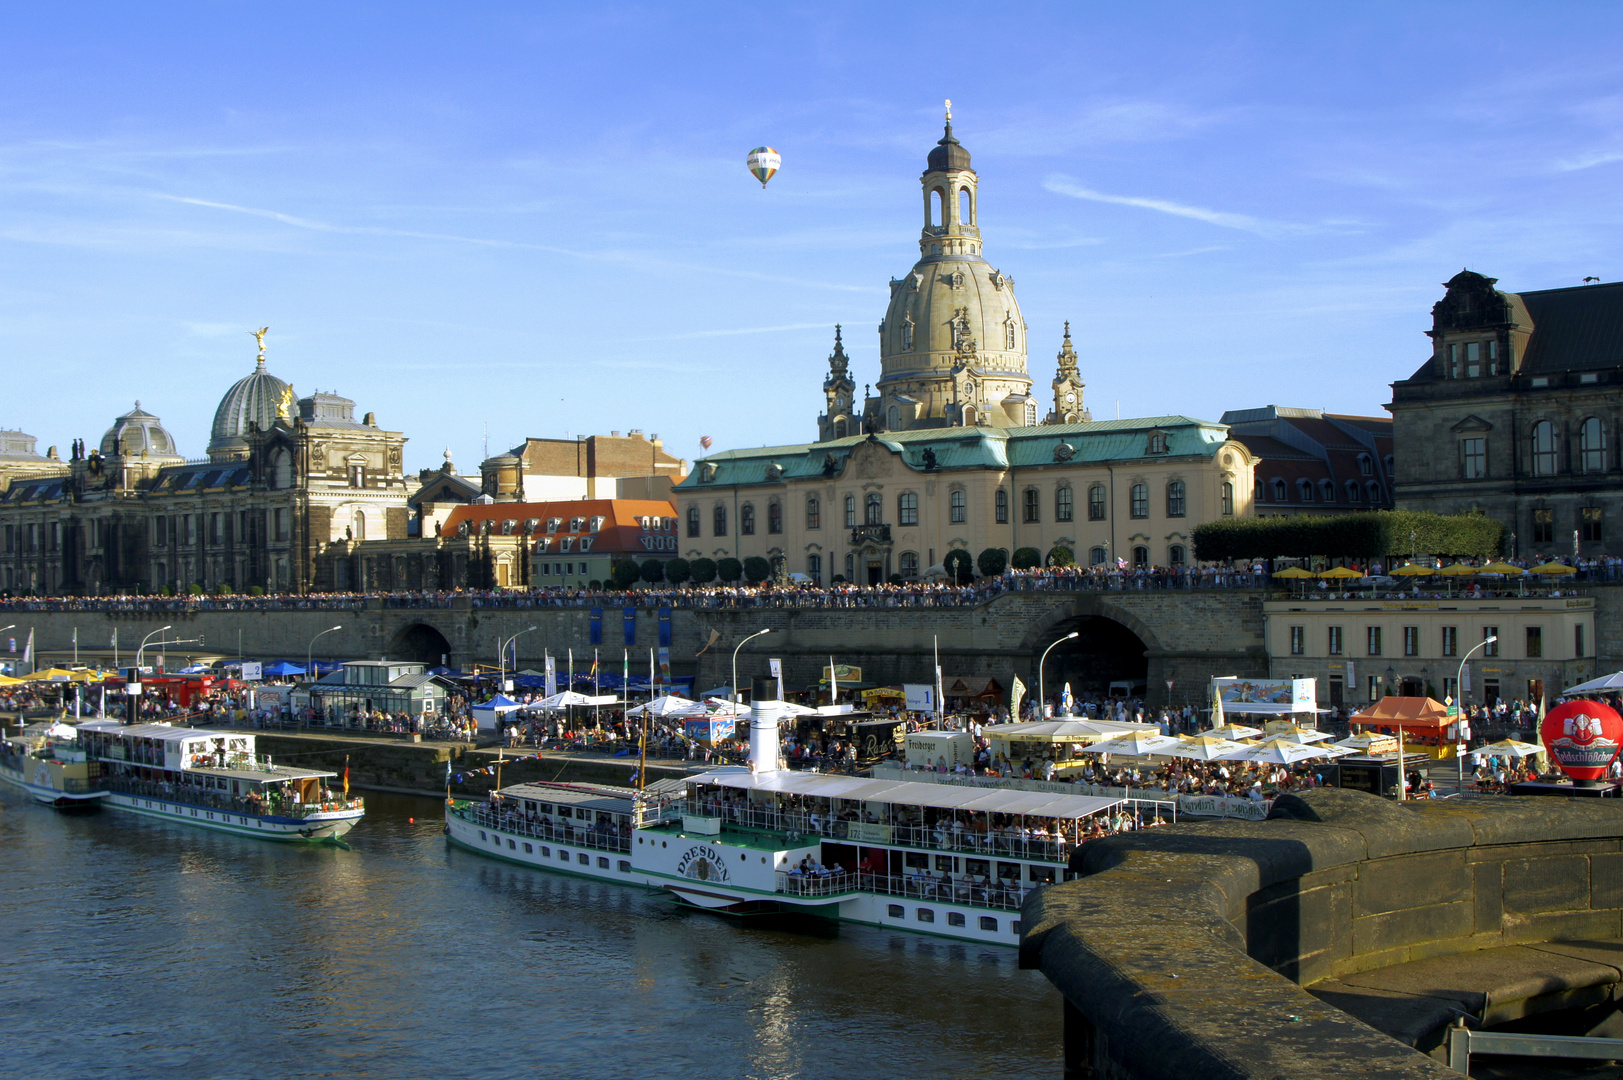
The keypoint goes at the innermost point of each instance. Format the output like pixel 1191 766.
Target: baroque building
pixel 1515 414
pixel 948 451
pixel 285 478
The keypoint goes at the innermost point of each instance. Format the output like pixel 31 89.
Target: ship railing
pixel 798 825
pixel 544 829
pixel 208 800
pixel 1004 895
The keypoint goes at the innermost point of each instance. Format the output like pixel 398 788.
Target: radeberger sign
pixel 1583 737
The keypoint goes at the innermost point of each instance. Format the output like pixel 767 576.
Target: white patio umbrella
pixel 1282 752
pixel 1360 744
pixel 1612 682
pixel 1298 734
pixel 1138 744
pixel 1511 748
pixel 1233 731
pixel 668 705
pixel 563 701
pixel 1204 748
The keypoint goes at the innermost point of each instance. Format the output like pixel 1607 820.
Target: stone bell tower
pixel 840 390
pixel 1068 407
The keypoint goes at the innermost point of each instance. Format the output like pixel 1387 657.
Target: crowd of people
pixel 938 592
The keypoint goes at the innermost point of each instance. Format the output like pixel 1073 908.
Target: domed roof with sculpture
pixel 258 399
pixel 139 434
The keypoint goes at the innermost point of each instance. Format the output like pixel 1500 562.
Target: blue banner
pixel 631 625
pixel 664 627
pixel 597 626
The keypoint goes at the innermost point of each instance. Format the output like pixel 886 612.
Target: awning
pixel 1405 712
pixel 910 793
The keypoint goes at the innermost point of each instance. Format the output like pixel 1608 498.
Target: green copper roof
pixel 967 448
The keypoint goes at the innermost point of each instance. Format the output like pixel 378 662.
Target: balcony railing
pixel 865 534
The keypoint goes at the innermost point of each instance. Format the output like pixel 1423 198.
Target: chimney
pixel 764 710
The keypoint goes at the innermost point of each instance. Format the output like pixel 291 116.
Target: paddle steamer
pixel 956 861
pixel 214 780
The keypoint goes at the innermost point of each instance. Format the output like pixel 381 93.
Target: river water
pixel 137 949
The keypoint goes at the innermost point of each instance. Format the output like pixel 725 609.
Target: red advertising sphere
pixel 1583 737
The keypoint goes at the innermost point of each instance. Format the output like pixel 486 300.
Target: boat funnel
pixel 764 711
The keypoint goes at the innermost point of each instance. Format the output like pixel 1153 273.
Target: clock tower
pixel 1068 407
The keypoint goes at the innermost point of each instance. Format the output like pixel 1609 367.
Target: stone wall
pixel 1184 951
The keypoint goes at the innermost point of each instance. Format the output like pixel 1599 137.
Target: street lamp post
pixel 1042 693
pixel 310 650
pixel 740 645
pixel 1459 696
pixel 141 650
pixel 501 659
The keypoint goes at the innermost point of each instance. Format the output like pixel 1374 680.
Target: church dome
pixel 260 398
pixel 949 154
pixel 138 434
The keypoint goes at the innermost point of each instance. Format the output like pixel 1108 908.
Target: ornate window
pixel 1096 502
pixel 1008 332
pixel 1543 448
pixel 1033 505
pixel 1473 359
pixel 774 517
pixel 1063 510
pixel 1175 555
pixel 907 508
pixel 1277 490
pixel 1592 445
pixel 1157 444
pixel 907 332
pixel 1352 491
pixel 746 520
pixel 1140 500
pixel 1175 498
pixel 1097 556
pixel 1141 556
pixel 814 568
pixel 1374 489
pixel 1228 497
pixel 873 509
pixel 1366 465
pixel 814 513
pixel 1304 490
pixel 720 522
pixel 1000 506
pixel 957 504
pixel 908 564
pixel 850 511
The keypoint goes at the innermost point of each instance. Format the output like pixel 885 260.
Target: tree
pixel 625 574
pixel 1060 555
pixel 959 566
pixel 756 569
pixel 1377 534
pixel 195 589
pixel 729 569
pixel 1026 558
pixel 677 571
pixel 702 571
pixel 895 579
pixel 992 562
pixel 653 571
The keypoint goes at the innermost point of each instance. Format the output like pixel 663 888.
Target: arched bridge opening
pixel 1105 658
pixel 421 644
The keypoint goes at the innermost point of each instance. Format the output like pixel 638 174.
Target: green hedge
pixel 1379 534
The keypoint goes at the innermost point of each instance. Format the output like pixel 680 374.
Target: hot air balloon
pixel 764 162
pixel 705 442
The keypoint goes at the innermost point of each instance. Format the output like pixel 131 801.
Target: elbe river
pixel 141 949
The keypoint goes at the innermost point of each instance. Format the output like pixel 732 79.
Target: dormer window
pixel 552 525
pixel 1157 443
pixel 707 472
pixel 1327 491
pixel 509 527
pixel 596 524
pixel 577 524
pixel 1304 489
pixel 1366 465
pixel 530 524
pixel 565 543
pixel 543 545
pixel 1277 489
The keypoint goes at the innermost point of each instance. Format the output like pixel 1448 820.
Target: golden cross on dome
pixel 949 110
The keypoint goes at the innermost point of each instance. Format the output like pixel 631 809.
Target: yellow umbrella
pixel 1552 568
pixel 7 680
pixel 1413 570
pixel 1500 567
pixel 1340 572
pixel 1459 569
pixel 50 675
pixel 1294 572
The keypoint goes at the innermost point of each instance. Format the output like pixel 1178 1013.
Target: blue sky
pixel 538 218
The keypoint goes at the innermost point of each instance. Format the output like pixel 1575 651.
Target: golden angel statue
pixel 259 336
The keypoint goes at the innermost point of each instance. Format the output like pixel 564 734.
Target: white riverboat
pixel 50 766
pixel 214 780
pixel 955 861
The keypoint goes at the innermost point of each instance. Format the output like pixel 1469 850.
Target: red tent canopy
pixel 1405 712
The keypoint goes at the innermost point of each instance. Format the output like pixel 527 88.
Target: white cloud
pixel 1061 185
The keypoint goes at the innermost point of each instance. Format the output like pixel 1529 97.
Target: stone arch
pixel 1113 643
pixel 420 643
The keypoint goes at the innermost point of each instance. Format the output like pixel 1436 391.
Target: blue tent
pixel 282 667
pixel 500 701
